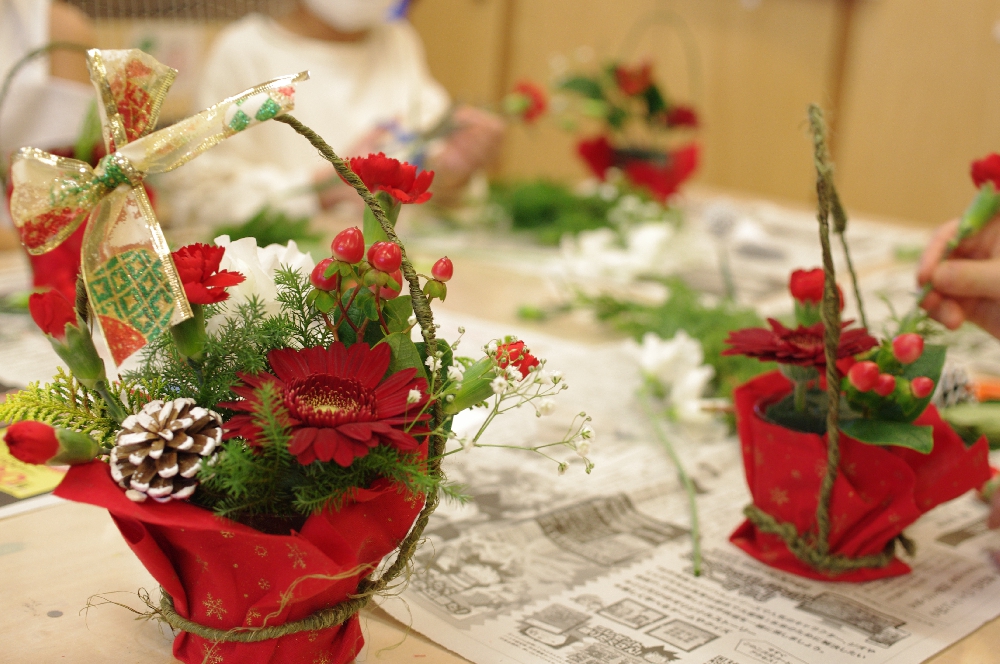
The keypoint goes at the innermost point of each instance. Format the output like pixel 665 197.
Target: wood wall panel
pixel 921 100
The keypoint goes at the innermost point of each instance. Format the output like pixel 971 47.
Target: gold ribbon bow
pixel 131 280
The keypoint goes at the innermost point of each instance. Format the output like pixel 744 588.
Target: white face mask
pixel 351 15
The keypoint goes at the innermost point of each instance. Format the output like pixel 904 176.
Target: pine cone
pixel 159 450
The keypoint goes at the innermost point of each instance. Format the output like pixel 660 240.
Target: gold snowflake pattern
pixel 323 659
pixel 213 607
pixel 297 555
pixel 313 635
pixel 779 496
pixel 203 563
pixel 264 584
pixel 260 551
pixel 226 534
pixel 252 615
pixel 212 657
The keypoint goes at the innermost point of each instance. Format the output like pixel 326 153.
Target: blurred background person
pixel 369 90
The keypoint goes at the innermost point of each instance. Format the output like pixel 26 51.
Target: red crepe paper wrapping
pixel 878 492
pixel 223 574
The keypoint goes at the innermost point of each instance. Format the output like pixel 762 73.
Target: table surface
pixel 59 559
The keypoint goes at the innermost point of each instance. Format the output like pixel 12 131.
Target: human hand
pixel 966 286
pixel 473 143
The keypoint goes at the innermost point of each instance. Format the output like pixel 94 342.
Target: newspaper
pixel 597 569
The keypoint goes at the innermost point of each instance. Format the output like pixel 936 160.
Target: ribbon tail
pixel 133 286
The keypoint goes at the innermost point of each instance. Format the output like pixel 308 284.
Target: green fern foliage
pixel 63 403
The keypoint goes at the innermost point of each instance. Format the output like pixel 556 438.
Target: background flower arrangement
pixel 293 402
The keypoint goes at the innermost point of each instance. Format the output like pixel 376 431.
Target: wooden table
pixel 53 560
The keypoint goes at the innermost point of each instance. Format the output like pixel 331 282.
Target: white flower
pixel 498 385
pixel 259 266
pixel 686 395
pixel 583 449
pixel 413 396
pixel 467 443
pixel 546 406
pixel 433 363
pixel 561 469
pixel 412 320
pixel 514 374
pixel 586 432
pixel 668 361
pixel 455 373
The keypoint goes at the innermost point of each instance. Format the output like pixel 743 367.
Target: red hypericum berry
pixel 322 282
pixel 443 269
pixel 863 376
pixel 349 245
pixel 385 256
pixel 922 386
pixel 885 385
pixel 387 292
pixel 907 348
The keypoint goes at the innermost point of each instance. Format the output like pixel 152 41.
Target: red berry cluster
pixel 440 273
pixel 881 375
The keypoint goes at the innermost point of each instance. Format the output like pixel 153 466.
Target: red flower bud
pixel 516 354
pixel 986 170
pixel 885 385
pixel 907 348
pixel 634 80
pixel 863 376
pixel 807 286
pixel 51 312
pixel 385 256
pixel 349 245
pixel 31 442
pixel 922 387
pixel 322 282
pixel 443 269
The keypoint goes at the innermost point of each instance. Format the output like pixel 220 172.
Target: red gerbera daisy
pixel 802 346
pixel 338 405
pixel 198 267
pixel 397 178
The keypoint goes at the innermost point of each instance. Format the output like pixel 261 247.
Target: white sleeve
pixel 432 100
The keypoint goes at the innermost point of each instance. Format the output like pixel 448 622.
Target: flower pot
pixel 224 575
pixel 878 491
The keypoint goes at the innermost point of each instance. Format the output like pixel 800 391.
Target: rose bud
pixel 516 354
pixel 71 340
pixel 40 444
pixel 319 279
pixel 349 245
pixel 885 385
pixel 907 348
pixel 443 269
pixel 806 287
pixel 863 376
pixel 922 387
pixel 385 256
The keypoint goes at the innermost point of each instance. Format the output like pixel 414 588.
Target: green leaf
pixel 365 304
pixel 397 313
pixel 899 434
pixel 583 85
pixel 323 301
pixel 617 117
pixel 404 354
pixel 655 103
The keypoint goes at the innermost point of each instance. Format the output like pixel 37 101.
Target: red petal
pixel 287 364
pixel 224 279
pixel 374 365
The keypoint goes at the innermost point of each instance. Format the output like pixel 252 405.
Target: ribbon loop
pixel 132 283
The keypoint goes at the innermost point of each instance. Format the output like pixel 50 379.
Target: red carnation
pixel 986 170
pixel 598 154
pixel 338 406
pixel 634 80
pixel 682 116
pixel 802 346
pixel 52 312
pixel 535 100
pixel 31 442
pixel 807 286
pixel 397 178
pixel 198 267
pixel 516 354
pixel 663 181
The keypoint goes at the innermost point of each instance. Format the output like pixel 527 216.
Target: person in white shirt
pixel 365 71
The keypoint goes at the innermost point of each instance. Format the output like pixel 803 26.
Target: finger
pixel 948 312
pixel 935 249
pixel 968 278
pixel 985 314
